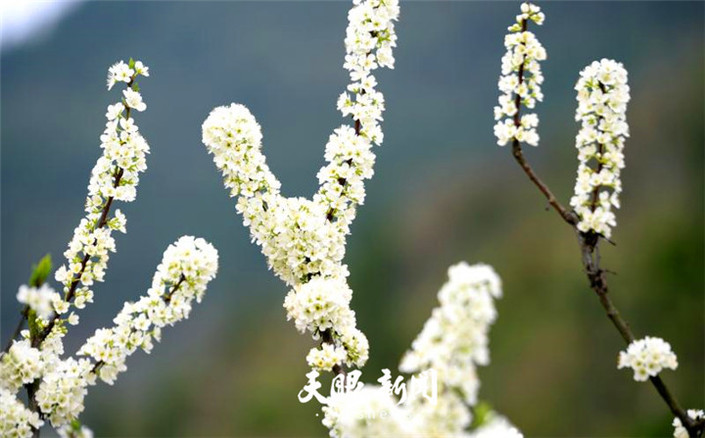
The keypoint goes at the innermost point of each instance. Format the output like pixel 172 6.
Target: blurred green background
pixel 443 192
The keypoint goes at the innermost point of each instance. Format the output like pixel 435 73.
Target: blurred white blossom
pixel 681 432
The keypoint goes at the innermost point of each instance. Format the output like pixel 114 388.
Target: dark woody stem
pixel 590 257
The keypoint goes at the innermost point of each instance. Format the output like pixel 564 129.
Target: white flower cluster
pixel 647 357
pixel 63 389
pixel 21 364
pixel 187 267
pixel 304 239
pixel 369 412
pixel 114 177
pixel 520 81
pixel 324 304
pixel 326 357
pixel 15 419
pixel 122 72
pixel 182 276
pixel 452 343
pixel 43 300
pixel 602 97
pixel 496 427
pixel 681 432
pixel 71 431
pixel 454 340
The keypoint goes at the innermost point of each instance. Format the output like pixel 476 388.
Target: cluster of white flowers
pixel 59 385
pixel 323 304
pixel 520 81
pixel 681 432
pixel 114 177
pixel 21 364
pixel 15 419
pixel 647 357
pixel 43 300
pixel 304 240
pixel 368 412
pixel 63 389
pixel 326 357
pixel 496 427
pixel 123 72
pixel 453 342
pixel 187 267
pixel 74 431
pixel 602 97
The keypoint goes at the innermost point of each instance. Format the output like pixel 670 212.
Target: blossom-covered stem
pixel 327 338
pixel 102 222
pixel 519 155
pixel 166 299
pixel 598 283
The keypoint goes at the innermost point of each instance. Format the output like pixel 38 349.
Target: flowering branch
pixel 56 386
pixel 602 95
pixel 304 240
pixel 440 398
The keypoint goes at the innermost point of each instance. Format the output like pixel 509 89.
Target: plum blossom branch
pixel 452 343
pixel 304 240
pixel 56 386
pixel 602 95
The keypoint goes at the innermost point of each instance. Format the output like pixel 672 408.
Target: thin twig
pixel 590 257
pixel 18 328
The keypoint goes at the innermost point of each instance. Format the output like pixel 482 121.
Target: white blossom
pixel 114 178
pixel 602 97
pixel 368 412
pixel 496 427
pixel 681 432
pixel 15 419
pixel 20 365
pixel 451 345
pixel 187 267
pixel 326 357
pixel 133 99
pixel 40 299
pixel 304 240
pixel 520 81
pixel 454 340
pixel 324 305
pixel 69 431
pixel 119 72
pixel 62 390
pixel 647 357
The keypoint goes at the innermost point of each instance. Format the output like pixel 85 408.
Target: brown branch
pixel 588 243
pixel 567 215
pixel 167 297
